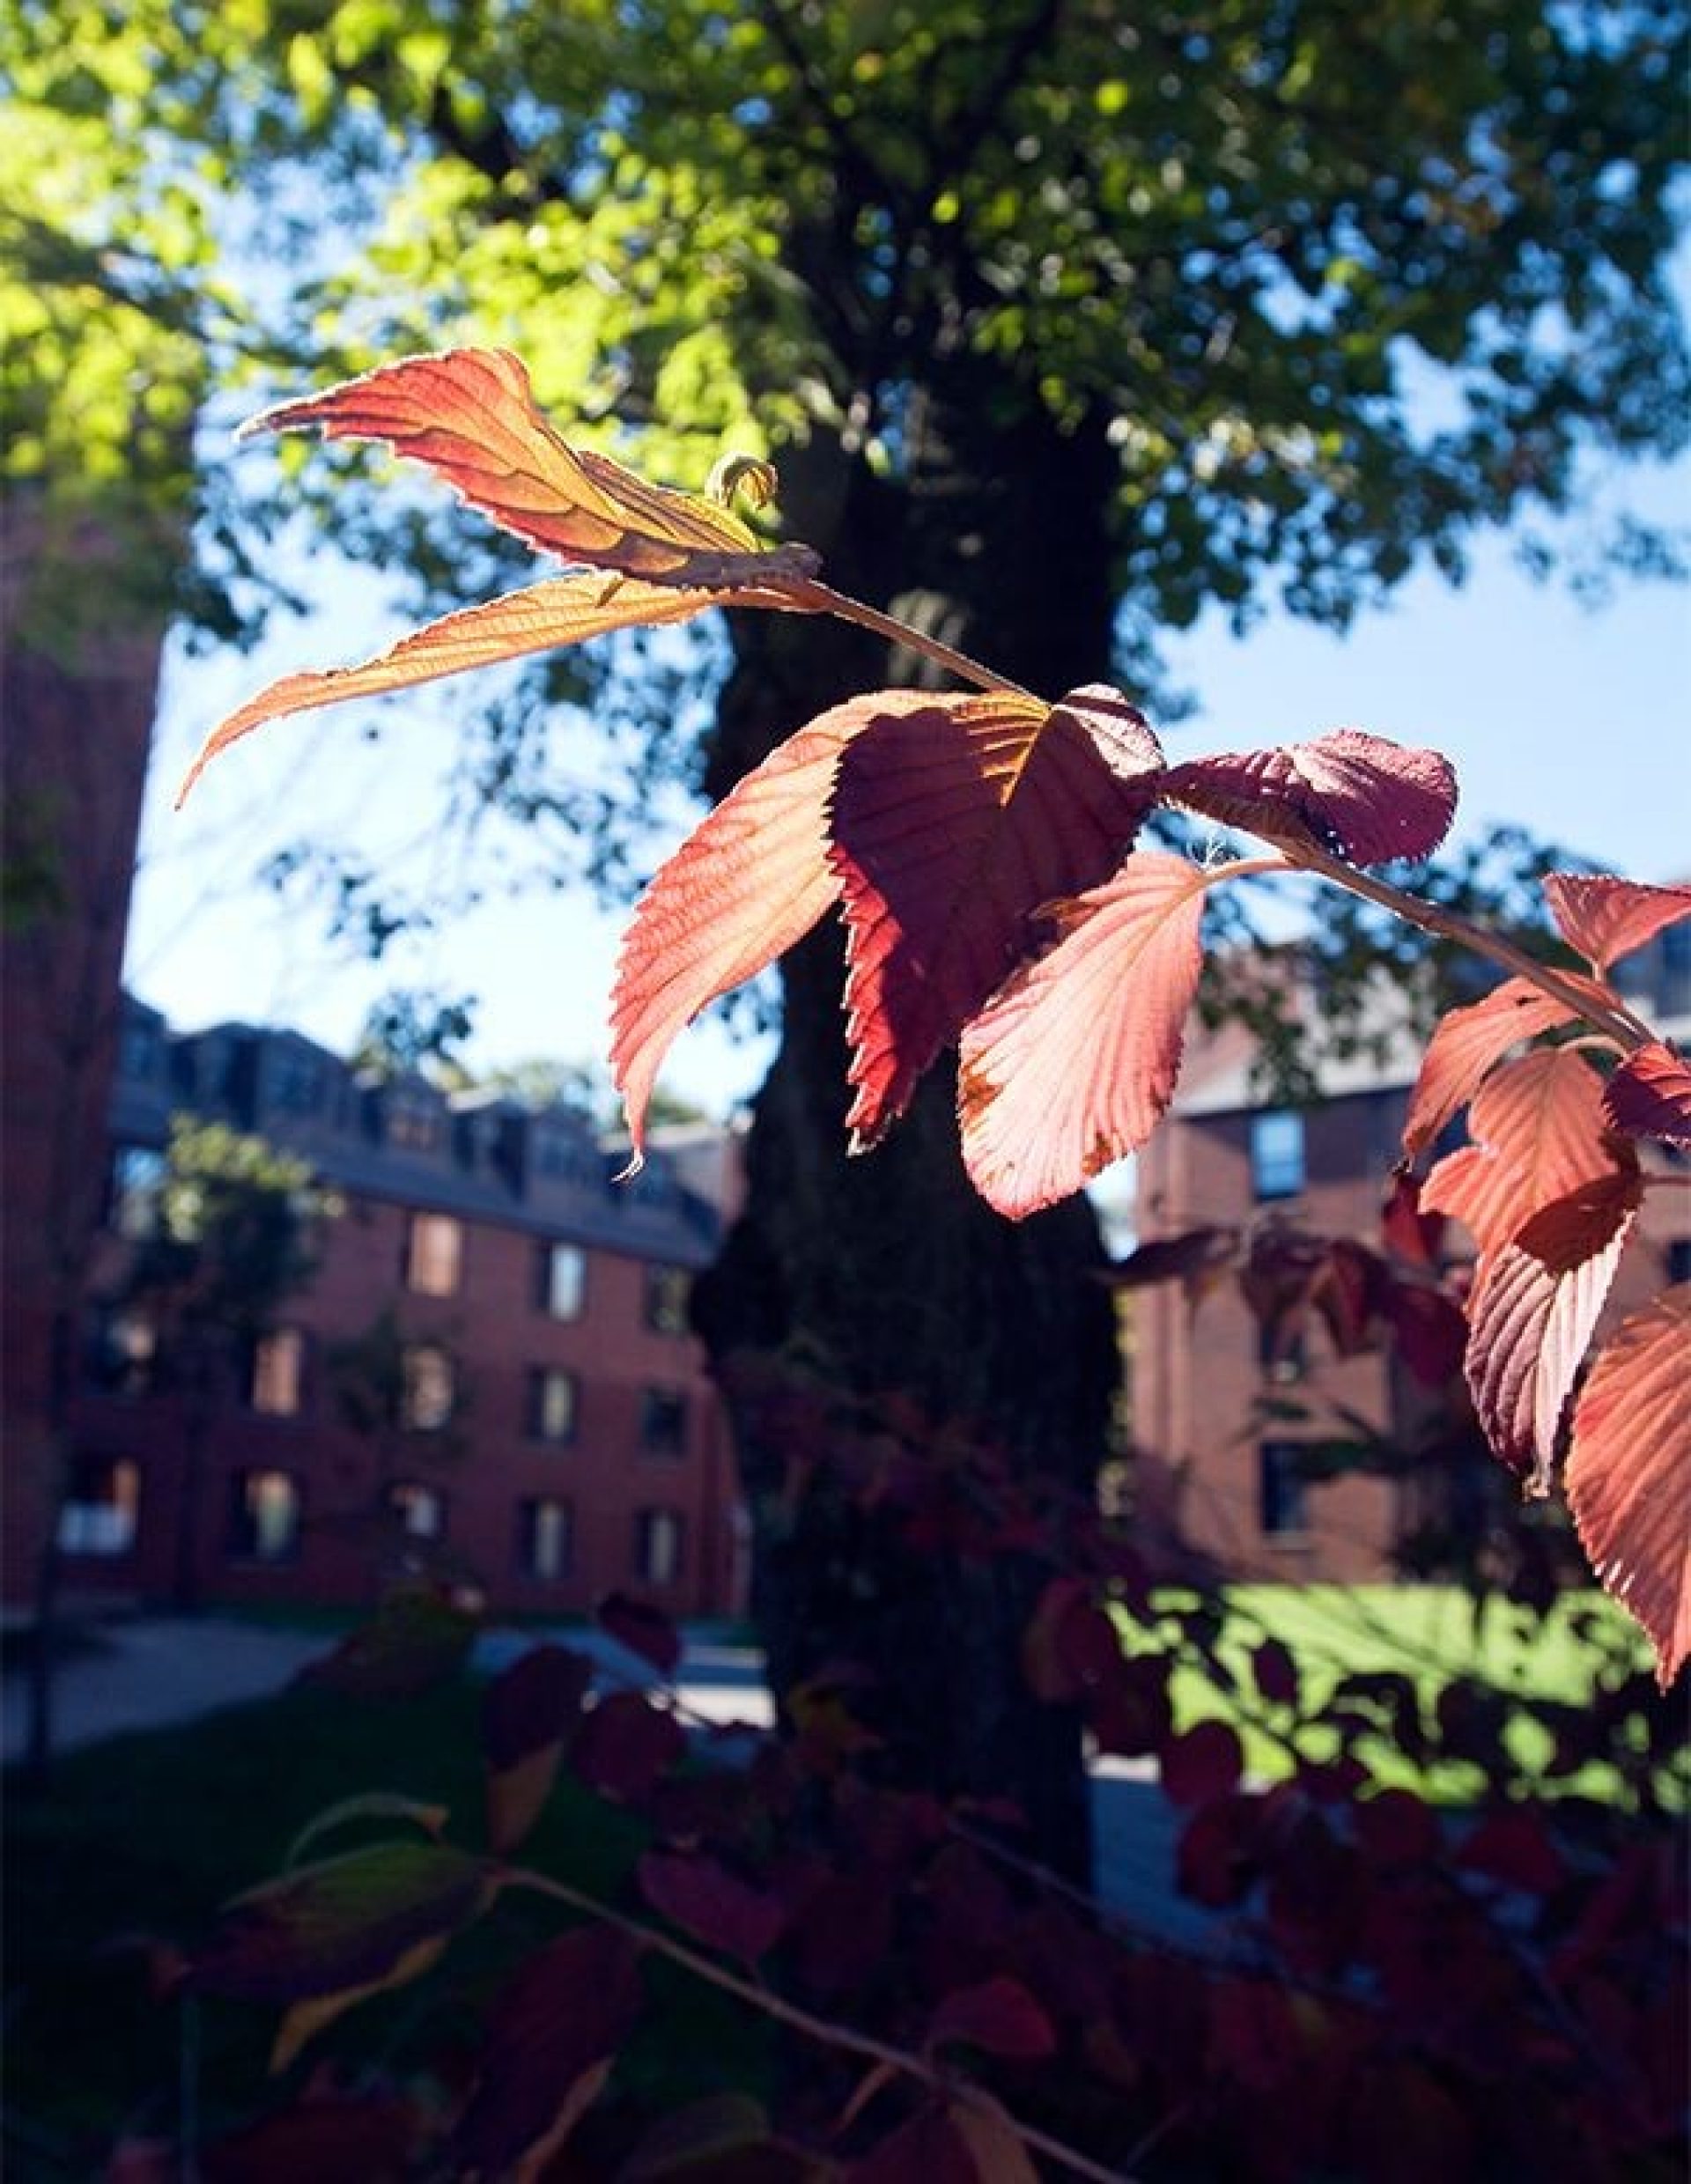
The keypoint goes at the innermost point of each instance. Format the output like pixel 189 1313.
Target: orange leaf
pixel 1073 1062
pixel 470 416
pixel 951 830
pixel 1538 1131
pixel 751 879
pixel 1467 1043
pixel 1628 1474
pixel 1606 918
pixel 563 610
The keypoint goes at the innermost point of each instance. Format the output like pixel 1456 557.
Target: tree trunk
pixel 887 1273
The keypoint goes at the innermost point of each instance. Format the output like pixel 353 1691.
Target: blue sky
pixel 1571 721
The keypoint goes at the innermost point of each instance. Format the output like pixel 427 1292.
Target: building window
pixel 543 1528
pixel 1679 1259
pixel 433 1250
pixel 563 1280
pixel 278 1370
pixel 104 1510
pixel 667 1292
pixel 421 1510
pixel 663 1421
pixel 1281 1497
pixel 296 1084
pixel 122 1355
pixel 264 1516
pixel 426 1388
pixel 658 1541
pixel 553 1399
pixel 412 1122
pixel 137 1180
pixel 1277 1154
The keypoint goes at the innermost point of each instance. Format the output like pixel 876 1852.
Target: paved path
pixel 146 1672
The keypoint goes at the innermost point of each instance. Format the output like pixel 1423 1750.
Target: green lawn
pixel 1432 1634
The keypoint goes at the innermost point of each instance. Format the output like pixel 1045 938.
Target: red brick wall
pixel 484 1465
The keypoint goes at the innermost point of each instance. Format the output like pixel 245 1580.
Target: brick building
pixel 490 1374
pixel 1218 1421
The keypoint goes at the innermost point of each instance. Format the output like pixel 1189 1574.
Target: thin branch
pixel 811 595
pixel 959 2090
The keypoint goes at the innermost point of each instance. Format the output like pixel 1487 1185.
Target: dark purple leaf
pixel 625 1746
pixel 550 2037
pixel 705 1900
pixel 1369 799
pixel 998 2015
pixel 643 1628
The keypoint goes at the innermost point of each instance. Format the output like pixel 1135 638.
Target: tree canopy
pixel 1337 291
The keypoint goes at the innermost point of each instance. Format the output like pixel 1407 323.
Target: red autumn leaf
pixel 470 414
pixel 751 879
pixel 542 617
pixel 1347 1291
pixel 1203 1762
pixel 528 1713
pixel 1649 1095
pixel 1191 1258
pixel 1369 799
pixel 1429 1329
pixel 1532 1316
pixel 331 2137
pixel 1074 1061
pixel 1466 1043
pixel 1606 918
pixel 551 2036
pixel 1071 1644
pixel 951 827
pixel 708 1901
pixel 998 2015
pixel 925 2150
pixel 1538 1135
pixel 1628 1474
pixel 1274 1667
pixel 1396 1827
pixel 1405 1228
pixel 642 1628
pixel 1515 1848
pixel 624 1747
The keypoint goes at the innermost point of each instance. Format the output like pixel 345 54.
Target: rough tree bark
pixel 886 1273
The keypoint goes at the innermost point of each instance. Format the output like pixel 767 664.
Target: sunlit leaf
pixel 1649 1095
pixel 1467 1043
pixel 1606 918
pixel 1629 1472
pixel 1359 794
pixel 470 414
pixel 1539 1134
pixel 751 878
pixel 564 610
pixel 951 826
pixel 1075 1060
pixel 1532 1312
